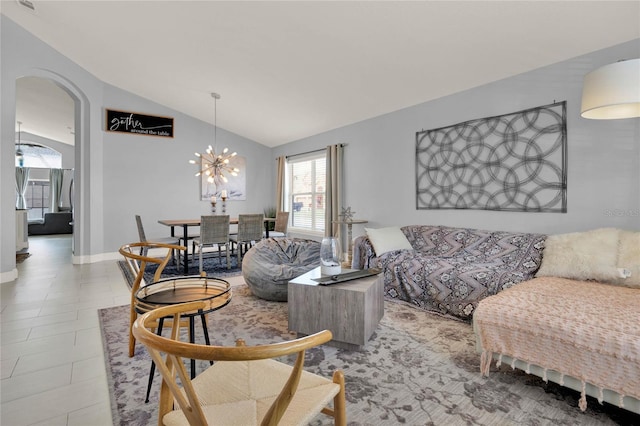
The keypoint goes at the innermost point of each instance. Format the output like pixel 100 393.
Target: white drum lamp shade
pixel 612 91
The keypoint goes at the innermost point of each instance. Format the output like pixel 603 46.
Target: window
pixel 37 197
pixel 306 180
pixel 40 156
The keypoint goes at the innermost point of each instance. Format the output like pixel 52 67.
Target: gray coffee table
pixel 350 310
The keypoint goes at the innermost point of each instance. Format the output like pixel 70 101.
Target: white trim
pixel 94 258
pixel 6 277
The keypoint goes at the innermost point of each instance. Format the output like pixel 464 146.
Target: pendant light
pixel 19 153
pixel 612 91
pixel 215 166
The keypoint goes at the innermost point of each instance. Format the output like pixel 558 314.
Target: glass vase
pixel 330 256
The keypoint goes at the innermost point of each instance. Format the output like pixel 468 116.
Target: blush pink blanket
pixel 587 330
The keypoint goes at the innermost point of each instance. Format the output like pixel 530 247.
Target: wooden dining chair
pixel 137 264
pixel 175 255
pixel 214 231
pixel 245 385
pixel 249 231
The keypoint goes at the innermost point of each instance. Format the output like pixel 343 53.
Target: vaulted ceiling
pixel 288 70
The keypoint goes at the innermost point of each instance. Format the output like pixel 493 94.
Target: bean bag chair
pixel 268 266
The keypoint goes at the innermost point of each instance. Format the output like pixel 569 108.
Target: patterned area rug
pixel 418 369
pixel 211 265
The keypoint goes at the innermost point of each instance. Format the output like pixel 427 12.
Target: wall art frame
pixel 236 186
pixel 138 124
pixel 511 162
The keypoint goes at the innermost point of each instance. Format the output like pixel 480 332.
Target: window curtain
pixel 280 173
pixel 333 193
pixel 22 179
pixel 55 189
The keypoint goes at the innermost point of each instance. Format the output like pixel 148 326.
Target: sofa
pixel 448 270
pixel 577 322
pixel 53 223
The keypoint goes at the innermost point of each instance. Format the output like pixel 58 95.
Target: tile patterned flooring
pixel 53 370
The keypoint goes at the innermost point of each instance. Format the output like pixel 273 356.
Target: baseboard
pixel 6 277
pixel 93 258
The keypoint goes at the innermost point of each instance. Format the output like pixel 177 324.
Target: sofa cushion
pixel 388 239
pixel 590 255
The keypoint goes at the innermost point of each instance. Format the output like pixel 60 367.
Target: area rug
pixel 211 265
pixel 417 369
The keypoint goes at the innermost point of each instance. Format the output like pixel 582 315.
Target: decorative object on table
pixel 223 195
pixel 272 263
pixel 347 215
pixel 330 256
pixel 139 124
pixel 19 153
pixel 217 167
pixel 350 222
pixel 214 200
pixel 511 162
pixel 612 91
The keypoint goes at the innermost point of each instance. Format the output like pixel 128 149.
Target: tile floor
pixel 53 370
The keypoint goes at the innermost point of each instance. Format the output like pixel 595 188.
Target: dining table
pixel 186 223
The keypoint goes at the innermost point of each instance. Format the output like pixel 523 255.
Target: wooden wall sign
pixel 141 124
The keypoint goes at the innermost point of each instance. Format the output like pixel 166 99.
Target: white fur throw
pixel 591 255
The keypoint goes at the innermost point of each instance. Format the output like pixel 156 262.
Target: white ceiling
pixel 288 70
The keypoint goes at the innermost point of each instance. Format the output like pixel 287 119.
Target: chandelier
pixel 215 166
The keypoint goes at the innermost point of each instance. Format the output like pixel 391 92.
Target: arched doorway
pixel 68 122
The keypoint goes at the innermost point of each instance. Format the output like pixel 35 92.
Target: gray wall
pixel 603 156
pixel 116 175
pixel 152 176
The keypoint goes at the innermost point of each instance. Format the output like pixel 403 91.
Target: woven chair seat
pixel 242 392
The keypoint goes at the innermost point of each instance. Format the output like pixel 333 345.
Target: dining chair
pixel 175 256
pixel 281 225
pixel 214 231
pixel 137 264
pixel 249 231
pixel 245 385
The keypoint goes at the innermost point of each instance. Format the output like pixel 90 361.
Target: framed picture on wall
pixel 236 186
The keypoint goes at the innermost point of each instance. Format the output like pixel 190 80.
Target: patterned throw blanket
pixel 451 269
pixel 584 329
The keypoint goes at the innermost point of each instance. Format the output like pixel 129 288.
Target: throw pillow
pixel 588 255
pixel 629 258
pixel 387 239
